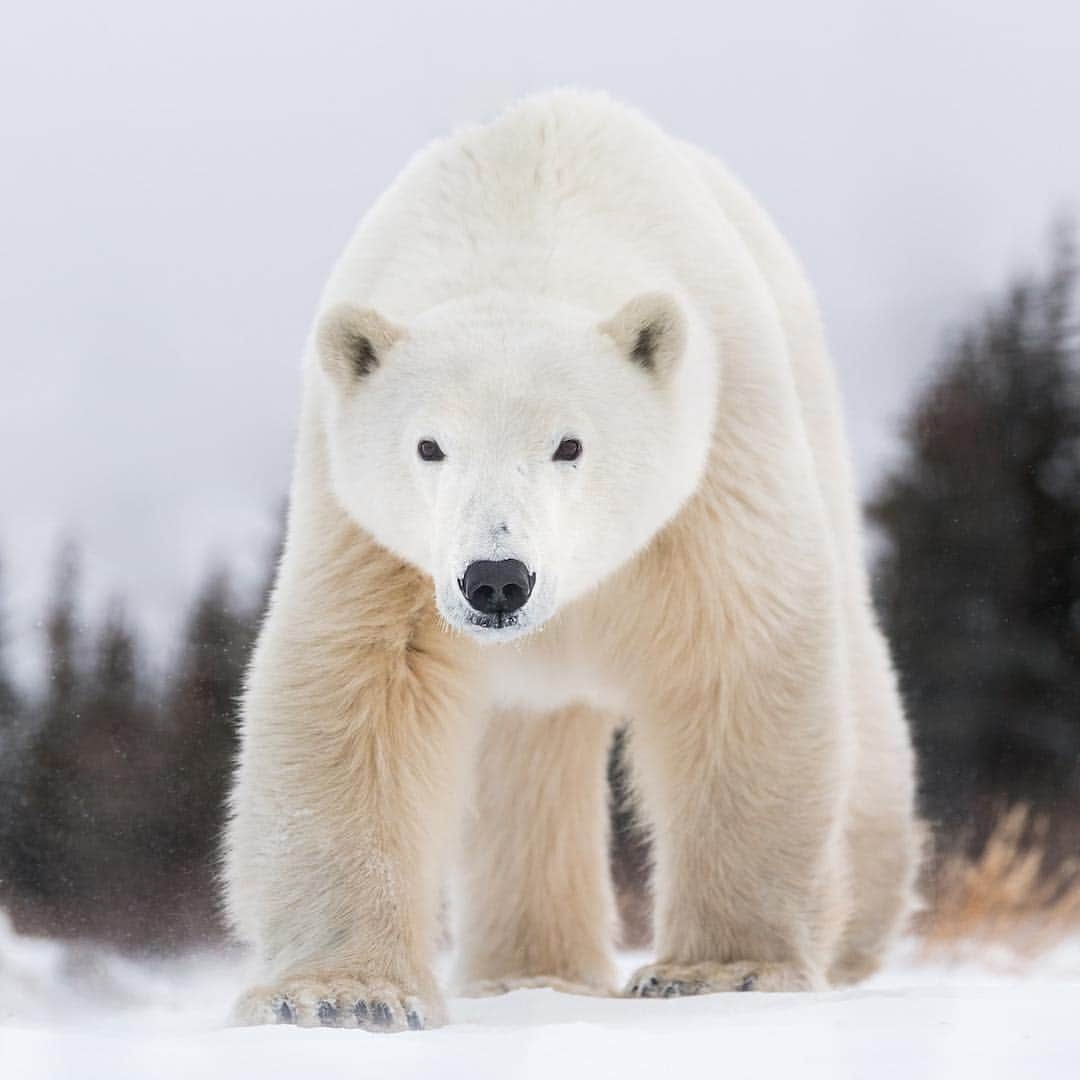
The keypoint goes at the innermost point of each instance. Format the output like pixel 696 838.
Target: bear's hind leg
pixel 538 906
pixel 885 850
pixel 884 838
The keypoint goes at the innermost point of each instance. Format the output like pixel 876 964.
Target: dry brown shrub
pixel 1012 894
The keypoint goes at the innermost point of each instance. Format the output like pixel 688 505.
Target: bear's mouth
pixel 497 620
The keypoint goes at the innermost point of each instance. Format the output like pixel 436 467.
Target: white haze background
pixel 177 180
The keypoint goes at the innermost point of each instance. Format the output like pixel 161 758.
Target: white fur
pixel 697 571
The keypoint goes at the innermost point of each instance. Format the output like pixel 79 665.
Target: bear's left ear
pixel 650 331
pixel 352 341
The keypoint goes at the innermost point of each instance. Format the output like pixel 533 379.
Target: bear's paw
pixel 345 1001
pixel 683 980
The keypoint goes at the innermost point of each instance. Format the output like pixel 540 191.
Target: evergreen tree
pixel 46 784
pixel 114 682
pixel 979 583
pixel 62 634
pixel 113 855
pixel 203 700
pixel 10 702
pixel 11 725
pixel 629 848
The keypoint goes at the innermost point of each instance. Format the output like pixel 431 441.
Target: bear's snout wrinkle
pixel 496 588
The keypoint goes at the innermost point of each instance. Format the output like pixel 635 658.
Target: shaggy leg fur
pixel 884 840
pixel 537 891
pixel 744 786
pixel 355 730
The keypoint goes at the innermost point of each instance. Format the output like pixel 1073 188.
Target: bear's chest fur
pixel 531 676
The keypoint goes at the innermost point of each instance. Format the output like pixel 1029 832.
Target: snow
pixel 79 1013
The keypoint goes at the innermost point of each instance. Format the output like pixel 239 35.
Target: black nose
pixel 497 587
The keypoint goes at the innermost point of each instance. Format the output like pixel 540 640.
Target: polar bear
pixel 570 455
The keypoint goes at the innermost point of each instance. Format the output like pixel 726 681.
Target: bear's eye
pixel 429 450
pixel 569 450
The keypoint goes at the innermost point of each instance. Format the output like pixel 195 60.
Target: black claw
pixel 360 1009
pixel 412 1017
pixel 635 990
pixel 284 1012
pixel 747 983
pixel 673 989
pixel 327 1013
pixel 380 1014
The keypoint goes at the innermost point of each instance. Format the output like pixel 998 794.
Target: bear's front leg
pixel 354 730
pixel 743 780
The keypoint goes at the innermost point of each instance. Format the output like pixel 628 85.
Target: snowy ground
pixel 75 1014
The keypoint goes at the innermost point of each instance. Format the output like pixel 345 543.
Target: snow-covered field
pixel 77 1013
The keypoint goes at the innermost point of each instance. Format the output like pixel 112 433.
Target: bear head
pixel 518 450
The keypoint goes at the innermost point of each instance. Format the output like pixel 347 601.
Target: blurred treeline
pixel 112 781
pixel 978 582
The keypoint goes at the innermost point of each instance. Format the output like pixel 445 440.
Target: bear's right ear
pixel 352 341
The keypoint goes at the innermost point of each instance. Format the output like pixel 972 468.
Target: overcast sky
pixel 177 179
